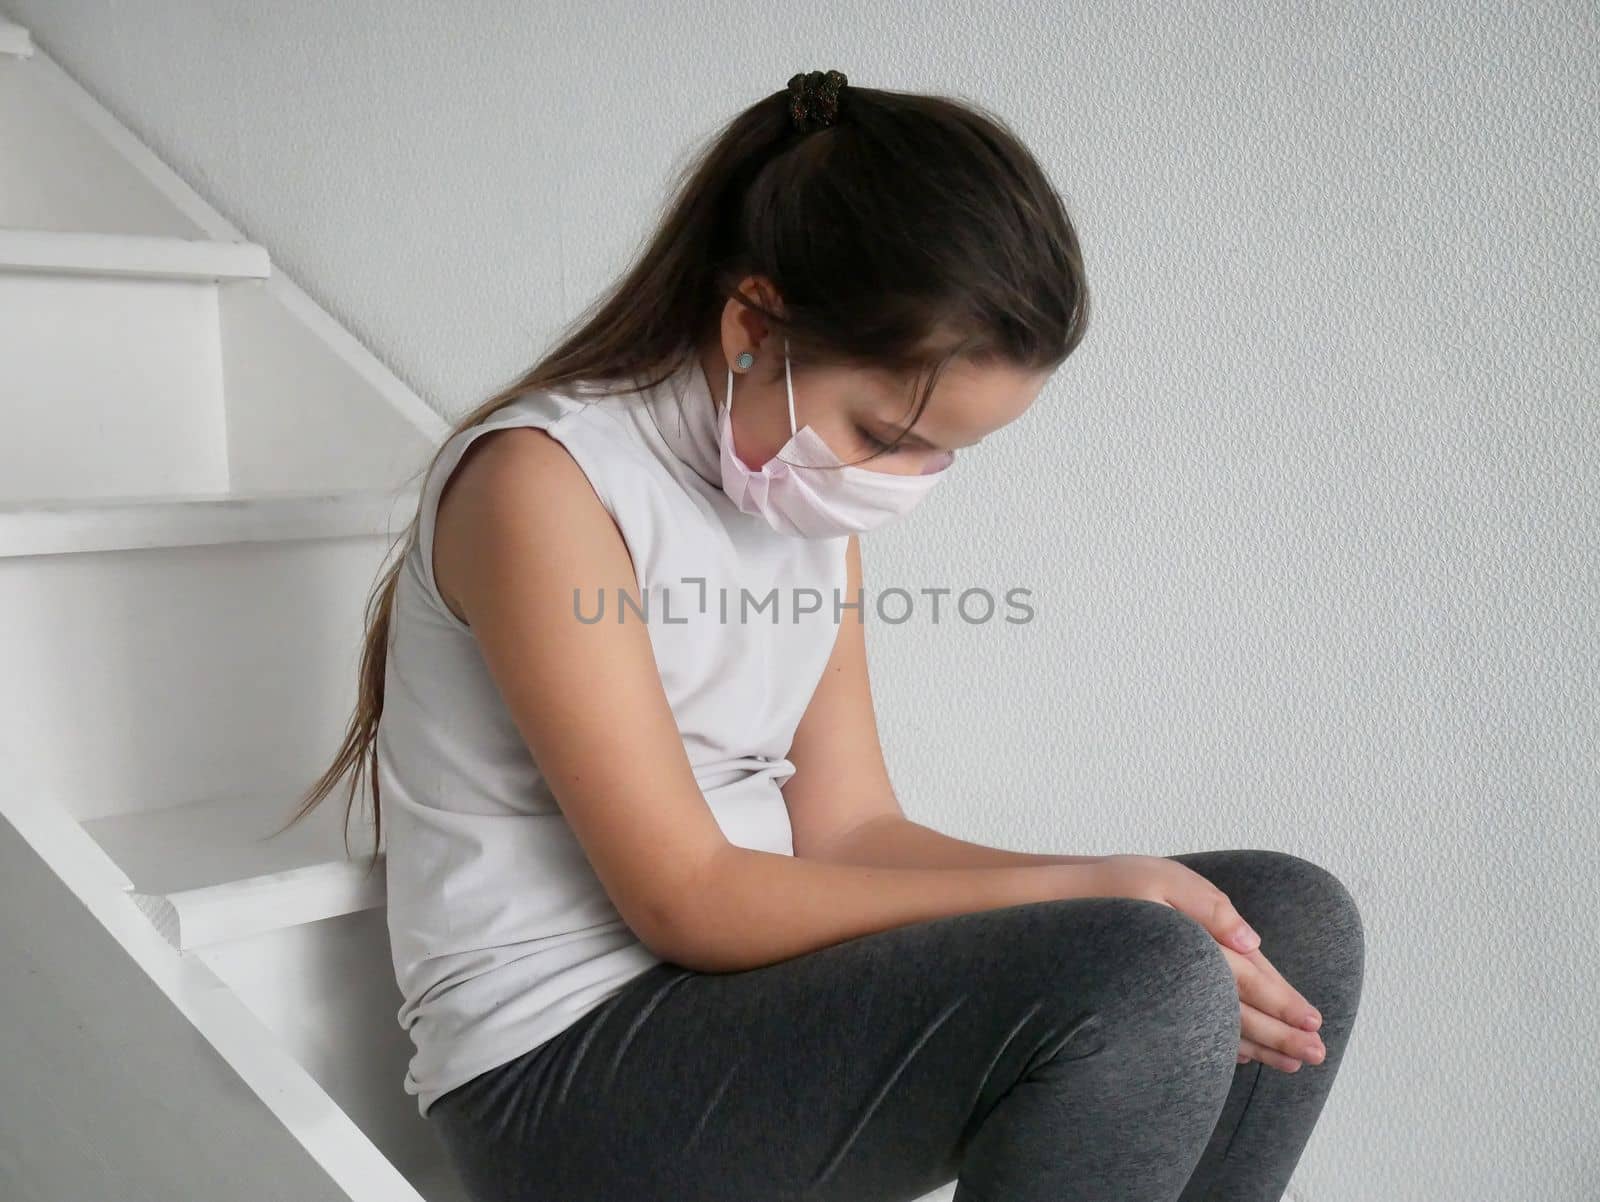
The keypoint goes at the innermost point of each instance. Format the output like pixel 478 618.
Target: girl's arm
pixel 842 806
pixel 895 840
pixel 519 529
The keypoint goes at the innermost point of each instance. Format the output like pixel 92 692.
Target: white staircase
pixel 201 477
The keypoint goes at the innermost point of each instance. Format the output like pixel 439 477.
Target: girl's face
pixel 858 413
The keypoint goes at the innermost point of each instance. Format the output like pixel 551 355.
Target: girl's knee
pixel 1329 908
pixel 1133 963
pixel 1177 990
pixel 1312 929
pixel 1166 966
pixel 1188 954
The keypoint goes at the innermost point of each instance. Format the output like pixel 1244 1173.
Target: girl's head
pixel 909 251
pixel 909 248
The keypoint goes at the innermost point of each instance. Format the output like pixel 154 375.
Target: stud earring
pixel 745 360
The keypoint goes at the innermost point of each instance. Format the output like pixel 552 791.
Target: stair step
pixel 14 39
pixel 191 918
pixel 216 870
pixel 147 256
pixel 67 525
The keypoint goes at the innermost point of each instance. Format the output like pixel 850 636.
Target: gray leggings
pixel 1073 1049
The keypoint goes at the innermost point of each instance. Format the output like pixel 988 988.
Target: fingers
pixel 1227 925
pixel 1250 1050
pixel 1277 997
pixel 1274 1017
pixel 1278 1037
pixel 1270 1009
pixel 1277 1025
pixel 1266 1004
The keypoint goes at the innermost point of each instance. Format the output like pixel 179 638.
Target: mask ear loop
pixel 788 381
pixel 745 360
pixel 679 407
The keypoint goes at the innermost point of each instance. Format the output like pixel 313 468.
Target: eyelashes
pixel 877 444
pixel 941 459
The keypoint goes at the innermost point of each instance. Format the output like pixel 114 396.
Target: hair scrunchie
pixel 815 98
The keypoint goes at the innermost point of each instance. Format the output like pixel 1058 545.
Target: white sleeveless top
pixel 501 933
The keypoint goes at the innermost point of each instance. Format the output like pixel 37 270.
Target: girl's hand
pixel 1277 1024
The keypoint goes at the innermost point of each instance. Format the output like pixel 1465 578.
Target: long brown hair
pixel 915 229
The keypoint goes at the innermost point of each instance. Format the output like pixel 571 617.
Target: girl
pixel 660 924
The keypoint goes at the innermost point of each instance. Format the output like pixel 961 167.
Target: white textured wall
pixel 1311 517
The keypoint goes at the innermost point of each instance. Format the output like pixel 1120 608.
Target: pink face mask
pixel 839 499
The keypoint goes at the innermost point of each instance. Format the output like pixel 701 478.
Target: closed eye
pixel 876 443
